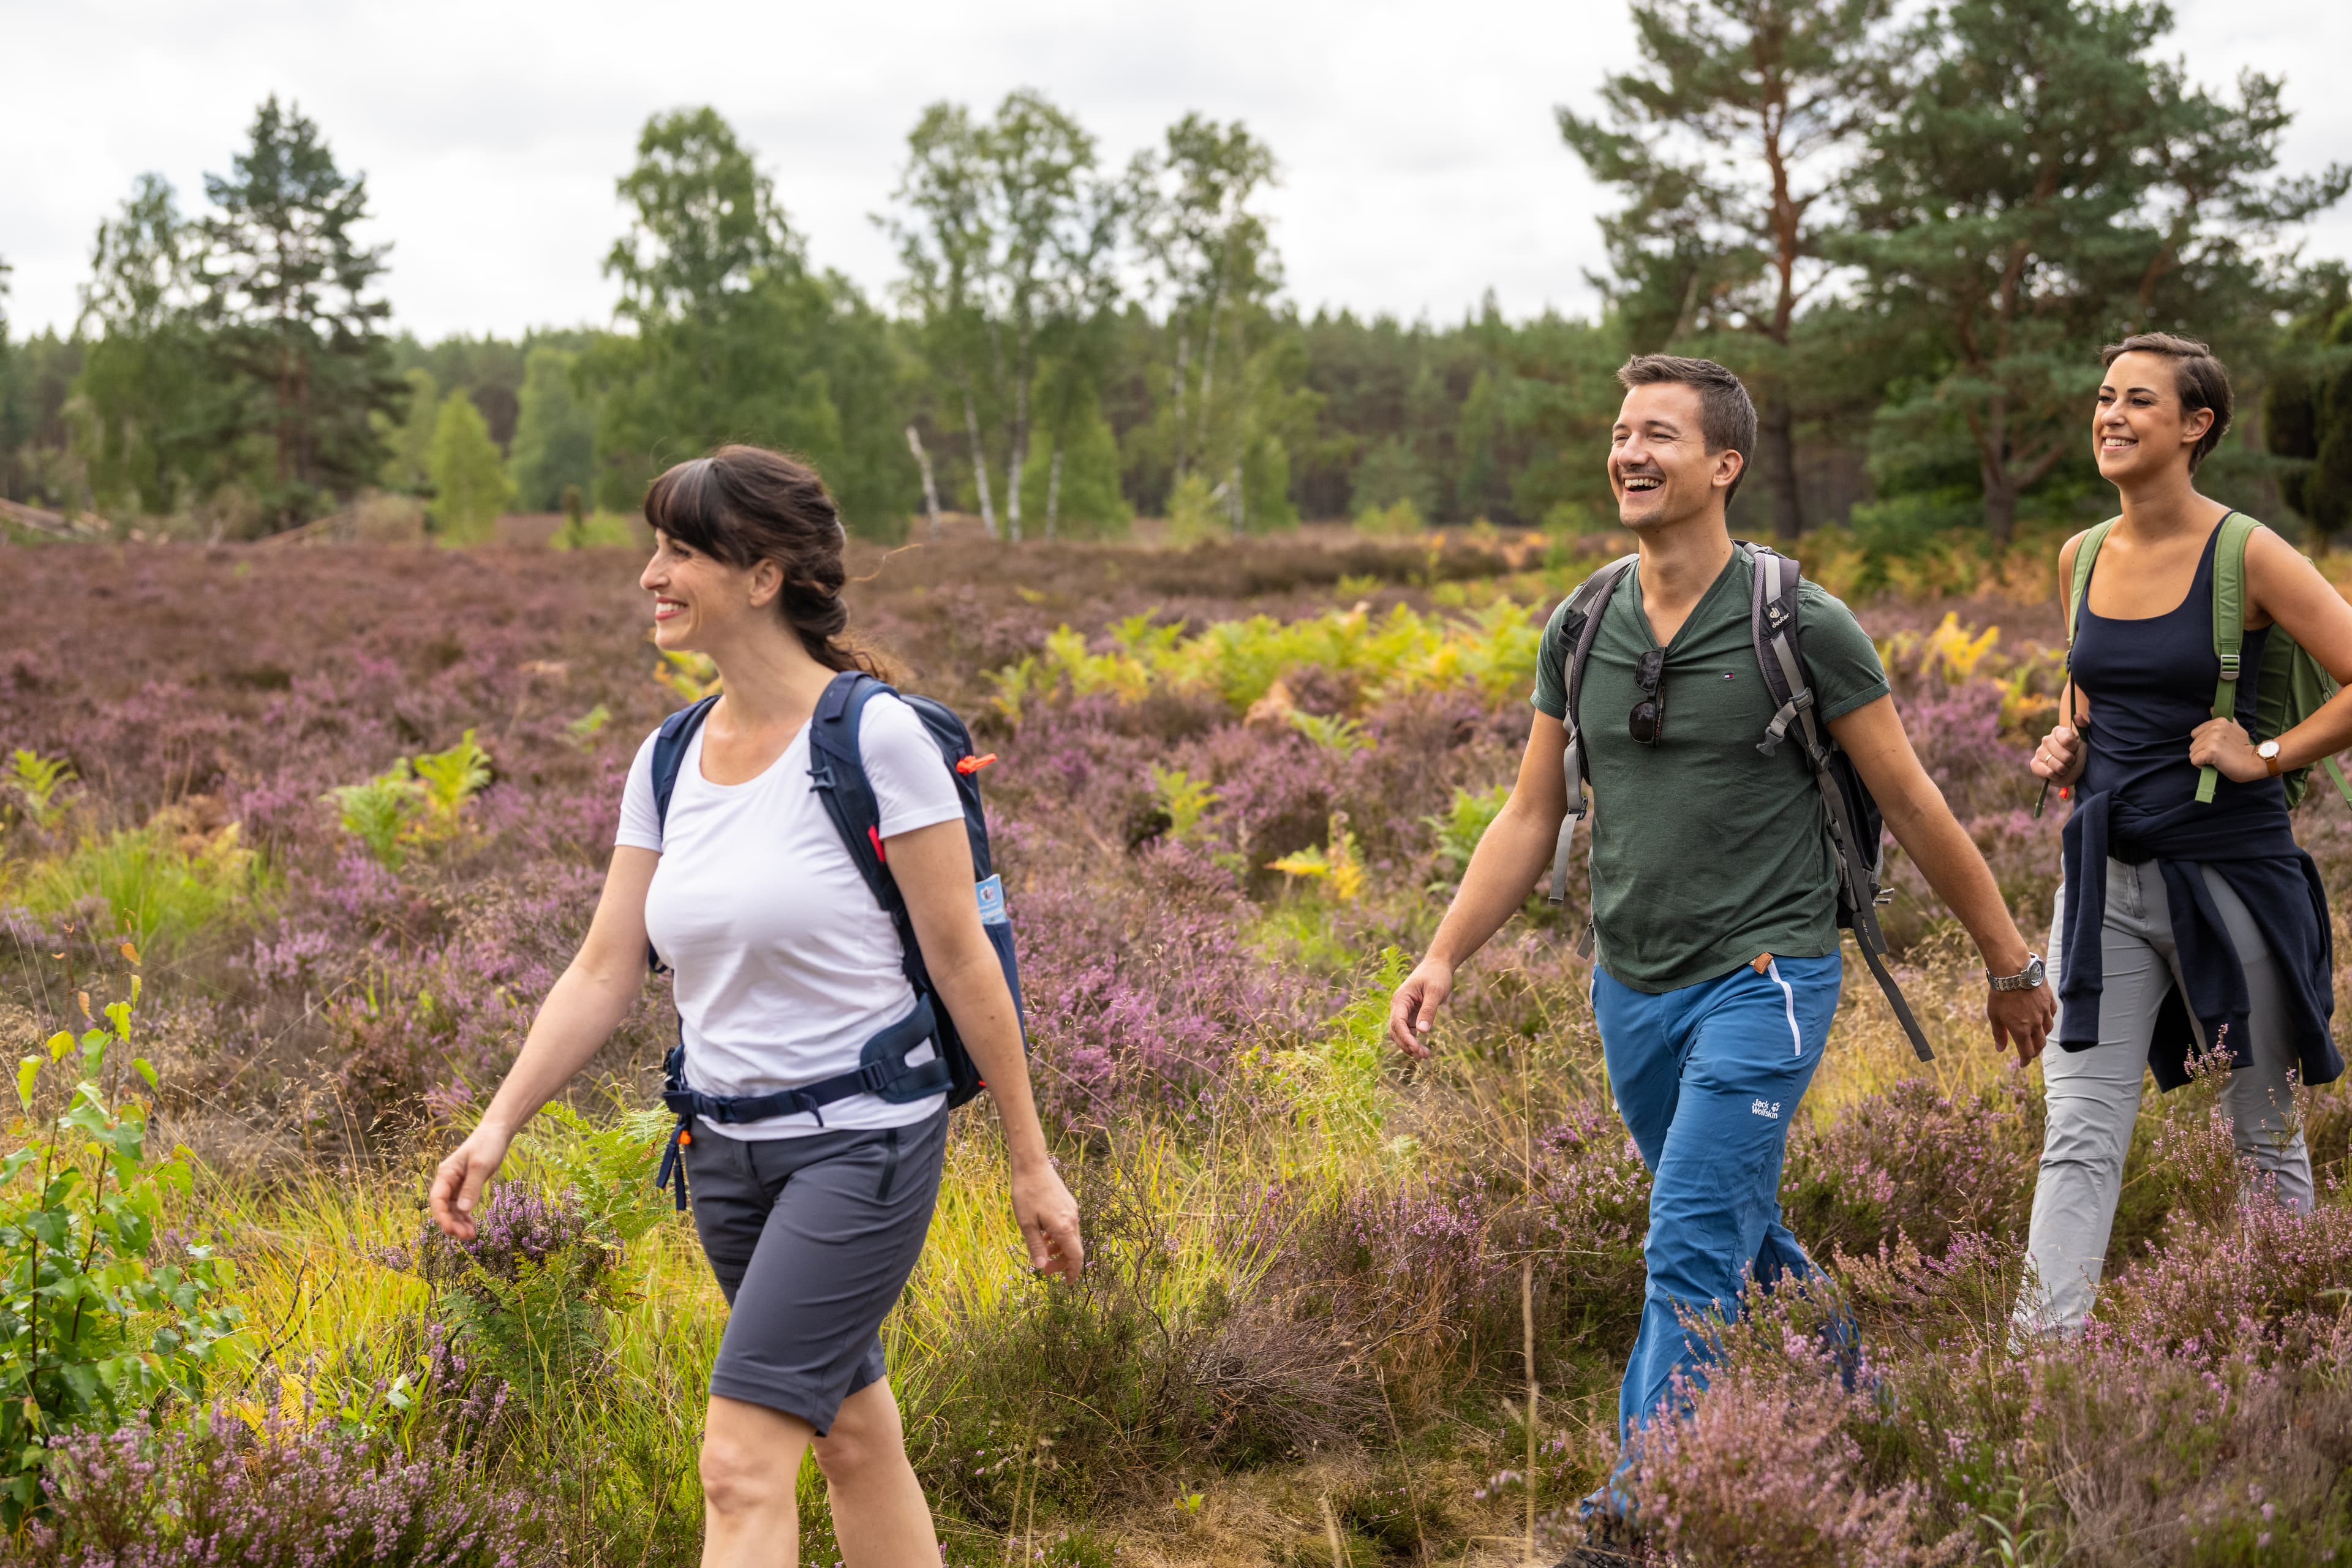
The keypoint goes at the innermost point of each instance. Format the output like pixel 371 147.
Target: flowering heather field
pixel 322 825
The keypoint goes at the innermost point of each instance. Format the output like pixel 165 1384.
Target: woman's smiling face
pixel 2138 427
pixel 697 598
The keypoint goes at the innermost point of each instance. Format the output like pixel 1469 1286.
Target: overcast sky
pixel 1419 162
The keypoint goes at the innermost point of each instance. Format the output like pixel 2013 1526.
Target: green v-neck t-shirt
pixel 1705 852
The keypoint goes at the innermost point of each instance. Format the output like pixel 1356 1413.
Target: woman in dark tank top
pixel 2189 935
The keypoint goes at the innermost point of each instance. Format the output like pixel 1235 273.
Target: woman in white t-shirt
pixel 787 967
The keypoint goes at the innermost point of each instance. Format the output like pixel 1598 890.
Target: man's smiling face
pixel 1659 467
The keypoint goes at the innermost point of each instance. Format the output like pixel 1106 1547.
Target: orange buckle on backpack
pixel 974 765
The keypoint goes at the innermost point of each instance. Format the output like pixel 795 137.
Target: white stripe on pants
pixel 2093 1096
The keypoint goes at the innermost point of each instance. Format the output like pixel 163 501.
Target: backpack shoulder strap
pixel 1773 622
pixel 669 751
pixel 2229 625
pixel 838 770
pixel 2084 554
pixel 1586 606
pixel 1772 627
pixel 669 755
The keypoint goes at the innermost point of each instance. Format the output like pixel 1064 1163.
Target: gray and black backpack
pixel 1856 830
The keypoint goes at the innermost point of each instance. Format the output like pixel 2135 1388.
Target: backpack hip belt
pixel 883 1070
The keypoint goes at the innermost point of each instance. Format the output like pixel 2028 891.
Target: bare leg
pixel 879 1514
pixel 750 1464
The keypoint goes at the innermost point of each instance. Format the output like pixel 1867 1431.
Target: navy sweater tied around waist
pixel 2150 683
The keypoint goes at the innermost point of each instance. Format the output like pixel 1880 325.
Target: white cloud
pixel 1421 163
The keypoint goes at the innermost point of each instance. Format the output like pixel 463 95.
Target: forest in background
pixel 1910 233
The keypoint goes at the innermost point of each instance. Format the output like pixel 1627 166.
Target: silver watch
pixel 2026 979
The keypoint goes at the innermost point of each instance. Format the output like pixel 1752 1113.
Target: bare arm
pixel 1503 868
pixel 583 1008
pixel 933 868
pixel 1924 824
pixel 2288 588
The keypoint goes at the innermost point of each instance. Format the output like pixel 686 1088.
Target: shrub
pixel 417 801
pixel 289 1496
pixel 96 1328
pixel 157 884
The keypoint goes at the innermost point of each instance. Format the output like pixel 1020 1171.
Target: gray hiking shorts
pixel 813 1239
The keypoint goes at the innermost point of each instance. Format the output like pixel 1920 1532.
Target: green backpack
pixel 2288 689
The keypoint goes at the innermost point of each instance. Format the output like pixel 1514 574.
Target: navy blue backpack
pixel 838 770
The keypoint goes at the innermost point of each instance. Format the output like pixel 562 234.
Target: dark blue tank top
pixel 2151 682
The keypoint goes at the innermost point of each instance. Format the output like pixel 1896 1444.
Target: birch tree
pixel 1002 234
pixel 1207 255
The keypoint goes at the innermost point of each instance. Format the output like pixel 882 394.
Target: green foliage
pixel 1399 521
pixel 409 440
pixel 1390 477
pixel 2308 412
pixel 1007 238
pixel 607 1166
pixel 1184 798
pixel 470 487
pixel 1333 1085
pixel 597 531
pixel 2011 219
pixel 1459 829
pixel 39 784
pixel 1087 502
pixel 585 729
pixel 1192 515
pixel 735 339
pixel 99 1324
pixel 149 406
pixel 1330 732
pixel 418 802
pixel 555 432
pixel 286 304
pixel 159 885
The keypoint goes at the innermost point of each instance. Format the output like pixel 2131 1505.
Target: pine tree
pixel 1732 144
pixel 286 296
pixel 2044 184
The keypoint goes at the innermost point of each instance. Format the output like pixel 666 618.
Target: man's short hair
pixel 1726 414
pixel 2197 377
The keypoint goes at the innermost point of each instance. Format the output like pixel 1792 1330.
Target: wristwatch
pixel 2269 753
pixel 2026 979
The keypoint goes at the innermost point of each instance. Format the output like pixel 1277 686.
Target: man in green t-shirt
pixel 1713 877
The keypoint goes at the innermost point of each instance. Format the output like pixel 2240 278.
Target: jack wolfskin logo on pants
pixel 1770 1108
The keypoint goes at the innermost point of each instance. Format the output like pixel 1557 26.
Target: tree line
pixel 1909 231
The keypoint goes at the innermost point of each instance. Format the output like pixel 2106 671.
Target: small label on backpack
pixel 991 901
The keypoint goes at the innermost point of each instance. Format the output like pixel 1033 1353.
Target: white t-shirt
pixel 785 965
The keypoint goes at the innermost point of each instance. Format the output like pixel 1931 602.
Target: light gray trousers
pixel 2093 1096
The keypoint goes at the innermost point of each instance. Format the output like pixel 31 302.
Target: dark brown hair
pixel 2197 377
pixel 743 505
pixel 1726 414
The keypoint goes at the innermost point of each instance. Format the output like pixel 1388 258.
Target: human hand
pixel 457 1183
pixel 2221 743
pixel 1414 1006
pixel 2060 756
pixel 1049 1221
pixel 2021 1020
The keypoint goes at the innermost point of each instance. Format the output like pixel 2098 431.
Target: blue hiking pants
pixel 1708 1078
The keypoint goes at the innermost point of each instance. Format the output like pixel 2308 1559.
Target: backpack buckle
pixel 2229 667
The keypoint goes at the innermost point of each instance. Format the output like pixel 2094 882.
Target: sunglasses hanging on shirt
pixel 1647 722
